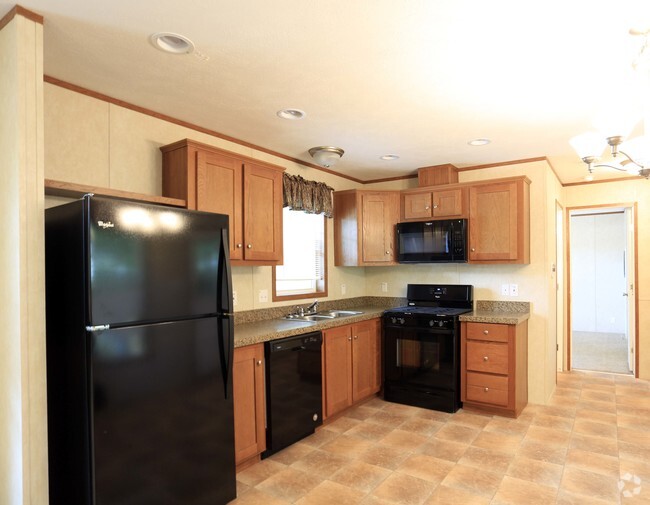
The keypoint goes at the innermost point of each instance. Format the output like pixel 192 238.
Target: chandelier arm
pixel 602 165
pixel 632 160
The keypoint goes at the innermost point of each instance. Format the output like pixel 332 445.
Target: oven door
pixel 421 357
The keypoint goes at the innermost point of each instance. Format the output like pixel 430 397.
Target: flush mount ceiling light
pixel 389 157
pixel 479 142
pixel 172 43
pixel 291 114
pixel 326 156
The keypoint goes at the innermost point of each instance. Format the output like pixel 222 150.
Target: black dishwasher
pixel 294 389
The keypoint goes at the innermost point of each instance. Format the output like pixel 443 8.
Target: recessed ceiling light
pixel 389 157
pixel 172 43
pixel 291 113
pixel 479 142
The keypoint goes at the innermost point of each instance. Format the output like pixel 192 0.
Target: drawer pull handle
pixel 485 358
pixel 259 362
pixel 485 332
pixel 486 390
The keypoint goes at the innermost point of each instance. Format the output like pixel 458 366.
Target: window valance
pixel 309 196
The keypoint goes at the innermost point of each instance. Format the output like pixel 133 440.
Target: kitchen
pixel 124 144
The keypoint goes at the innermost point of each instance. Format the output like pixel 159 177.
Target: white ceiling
pixel 417 78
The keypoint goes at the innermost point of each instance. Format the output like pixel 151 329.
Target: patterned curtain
pixel 309 196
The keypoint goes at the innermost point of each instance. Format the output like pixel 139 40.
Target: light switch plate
pixel 264 295
pixel 514 290
pixel 343 289
pixel 384 287
pixel 505 289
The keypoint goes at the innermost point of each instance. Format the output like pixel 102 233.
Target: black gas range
pixel 422 346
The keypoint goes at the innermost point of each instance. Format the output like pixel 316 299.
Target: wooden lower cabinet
pixel 249 402
pixel 351 365
pixel 494 367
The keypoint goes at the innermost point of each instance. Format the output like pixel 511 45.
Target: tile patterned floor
pixel 590 445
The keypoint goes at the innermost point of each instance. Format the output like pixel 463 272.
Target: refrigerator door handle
pixel 227 329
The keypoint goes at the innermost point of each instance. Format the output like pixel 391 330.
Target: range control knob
pixel 393 320
pixel 401 320
pixel 441 323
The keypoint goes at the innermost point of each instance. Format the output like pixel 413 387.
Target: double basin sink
pixel 325 315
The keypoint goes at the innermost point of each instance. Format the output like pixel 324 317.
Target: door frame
pixel 635 302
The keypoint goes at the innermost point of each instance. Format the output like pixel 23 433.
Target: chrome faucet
pixel 312 308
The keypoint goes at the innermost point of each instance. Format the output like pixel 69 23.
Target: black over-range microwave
pixel 443 241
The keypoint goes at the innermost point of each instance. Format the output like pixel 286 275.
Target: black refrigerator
pixel 139 355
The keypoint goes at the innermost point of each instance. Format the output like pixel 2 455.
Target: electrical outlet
pixel 384 287
pixel 505 289
pixel 263 295
pixel 234 298
pixel 514 290
pixel 343 289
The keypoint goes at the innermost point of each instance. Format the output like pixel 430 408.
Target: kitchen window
pixel 304 272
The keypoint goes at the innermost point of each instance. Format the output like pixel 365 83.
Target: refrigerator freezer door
pixel 163 430
pixel 148 263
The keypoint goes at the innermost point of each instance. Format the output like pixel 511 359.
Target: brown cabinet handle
pixel 485 332
pixel 485 358
pixel 486 390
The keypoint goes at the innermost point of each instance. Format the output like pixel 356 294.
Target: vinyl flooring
pixel 590 445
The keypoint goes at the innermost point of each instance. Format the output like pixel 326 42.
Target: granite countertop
pixel 498 312
pixel 258 326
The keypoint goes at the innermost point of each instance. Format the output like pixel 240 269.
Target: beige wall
pixel 627 192
pixel 23 428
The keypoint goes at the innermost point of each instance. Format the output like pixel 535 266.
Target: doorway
pixel 602 277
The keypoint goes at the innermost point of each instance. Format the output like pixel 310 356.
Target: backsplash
pixel 251 316
pixel 502 306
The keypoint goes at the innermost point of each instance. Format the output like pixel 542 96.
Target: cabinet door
pixel 448 203
pixel 219 189
pixel 337 381
pixel 262 213
pixel 493 230
pixel 365 359
pixel 249 404
pixel 417 205
pixel 379 216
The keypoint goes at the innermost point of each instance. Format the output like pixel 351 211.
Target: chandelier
pixel 590 145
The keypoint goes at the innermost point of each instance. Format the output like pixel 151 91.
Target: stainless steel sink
pixel 324 315
pixel 339 313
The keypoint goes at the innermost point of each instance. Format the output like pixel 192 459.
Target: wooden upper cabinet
pixel 364 227
pixel 248 191
pixel 262 213
pixel 432 204
pixel 499 222
pixel 221 175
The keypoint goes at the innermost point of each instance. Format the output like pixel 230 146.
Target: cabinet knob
pixel 249 246
pixel 387 252
pixel 350 338
pixel 435 206
pixel 356 337
pixel 426 207
pixel 486 390
pixel 259 362
pixel 239 246
pixel 485 332
pixel 473 249
pixel 485 358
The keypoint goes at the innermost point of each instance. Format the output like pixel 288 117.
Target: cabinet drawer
pixel 487 357
pixel 487 389
pixel 487 331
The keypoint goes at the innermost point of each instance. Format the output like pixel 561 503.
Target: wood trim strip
pixel 503 163
pixel 19 10
pixel 142 110
pixel 600 181
pixel 73 190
